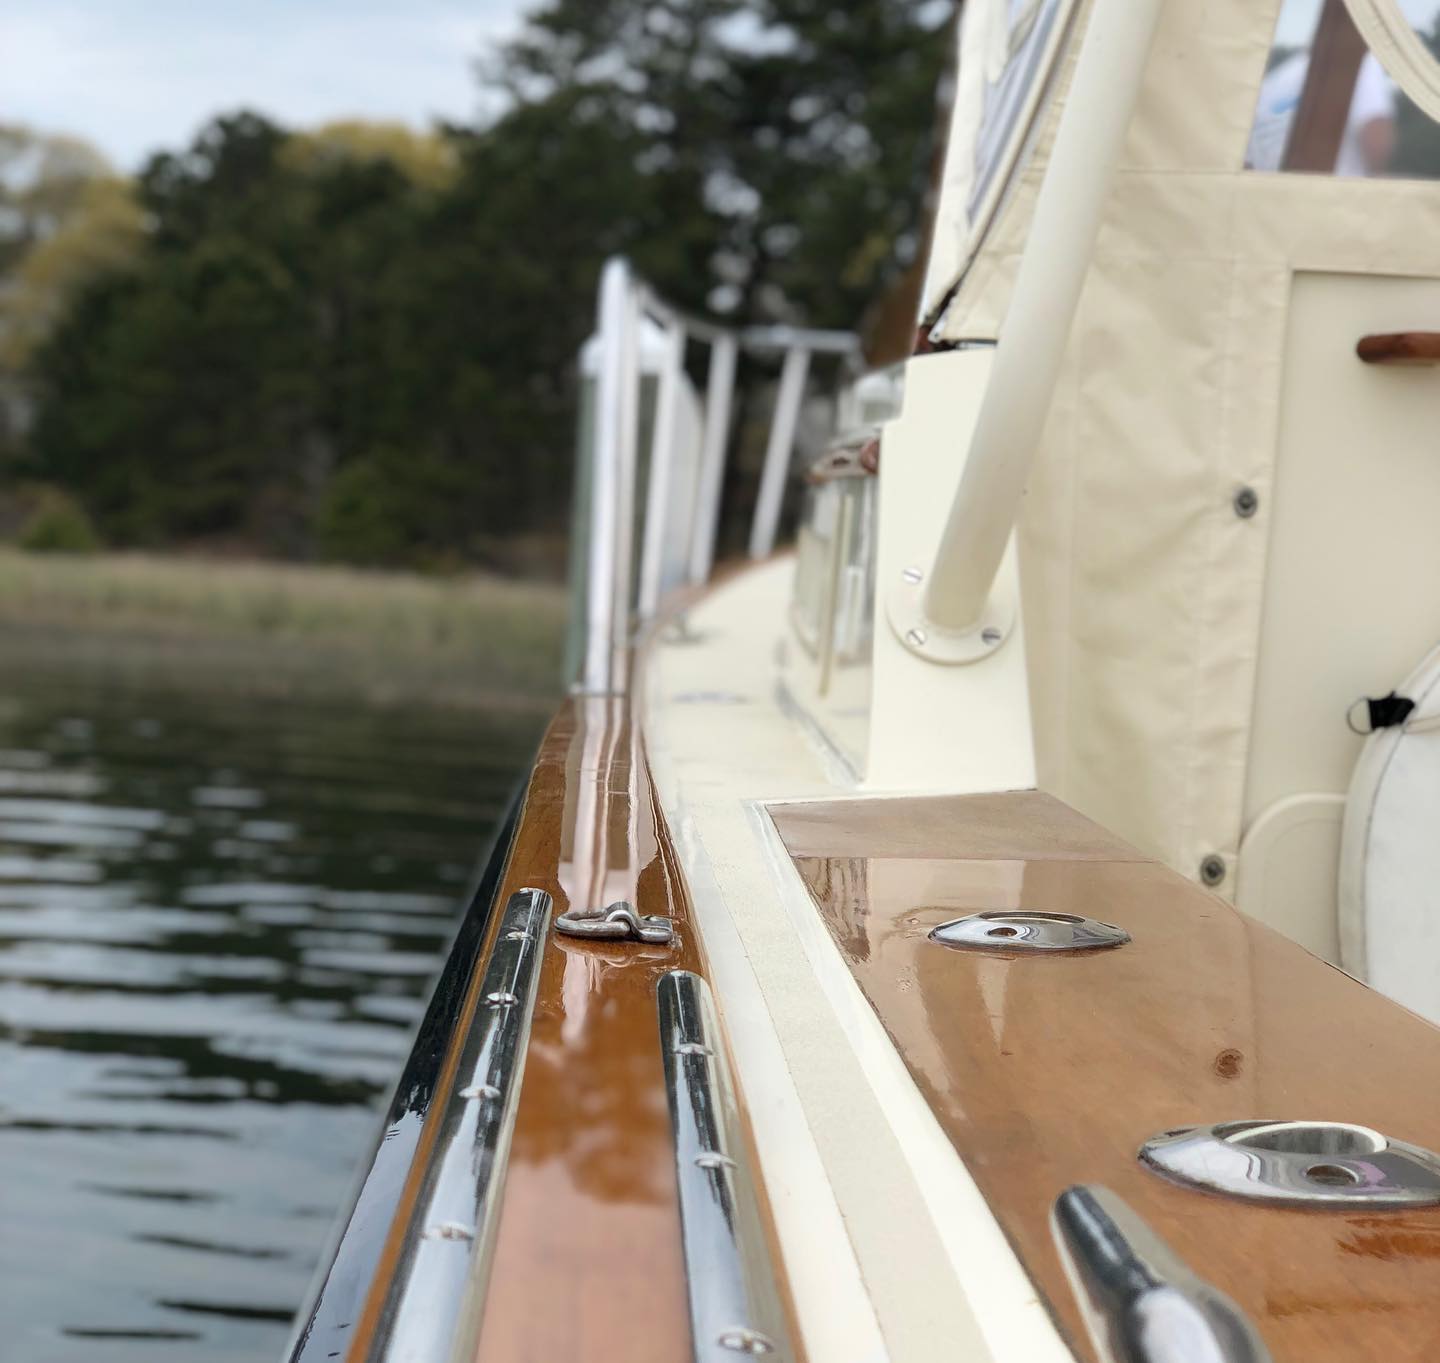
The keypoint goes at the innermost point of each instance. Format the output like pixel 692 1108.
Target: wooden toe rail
pixel 587 1263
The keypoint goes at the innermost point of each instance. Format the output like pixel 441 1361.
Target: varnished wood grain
pixel 587 1264
pixel 1050 1071
pixel 1010 824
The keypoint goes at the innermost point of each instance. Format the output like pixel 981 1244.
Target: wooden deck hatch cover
pixel 1047 1071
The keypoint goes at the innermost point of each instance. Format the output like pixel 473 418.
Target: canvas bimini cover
pixel 1146 530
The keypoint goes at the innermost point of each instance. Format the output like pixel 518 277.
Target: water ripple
pixel 217 926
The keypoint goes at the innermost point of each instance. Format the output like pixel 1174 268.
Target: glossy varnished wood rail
pixel 587 1263
pixel 1050 1071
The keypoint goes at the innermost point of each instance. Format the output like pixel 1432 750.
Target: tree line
pixel 359 343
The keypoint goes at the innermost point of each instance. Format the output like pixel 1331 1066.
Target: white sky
pixel 1297 18
pixel 134 76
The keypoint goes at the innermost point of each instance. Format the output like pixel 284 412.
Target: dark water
pixel 217 925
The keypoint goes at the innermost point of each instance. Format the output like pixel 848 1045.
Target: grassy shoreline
pixel 265 628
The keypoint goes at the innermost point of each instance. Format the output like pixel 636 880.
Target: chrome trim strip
pixel 325 1327
pixel 435 1298
pixel 735 1305
pixel 1140 1303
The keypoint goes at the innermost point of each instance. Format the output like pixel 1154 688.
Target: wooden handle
pixel 1400 347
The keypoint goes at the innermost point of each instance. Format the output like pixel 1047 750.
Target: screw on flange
pixel 912 575
pixel 746 1341
pixel 713 1159
pixel 449 1230
pixel 1212 869
pixel 1246 503
pixel 915 638
pixel 990 636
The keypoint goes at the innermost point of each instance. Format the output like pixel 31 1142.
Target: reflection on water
pixel 217 926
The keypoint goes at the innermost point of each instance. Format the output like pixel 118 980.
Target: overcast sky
pixel 132 76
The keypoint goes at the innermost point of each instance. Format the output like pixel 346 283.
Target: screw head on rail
pixel 743 1340
pixel 915 638
pixel 914 576
pixel 448 1230
pixel 713 1159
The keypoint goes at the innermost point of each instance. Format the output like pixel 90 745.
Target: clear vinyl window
pixel 1327 106
pixel 1016 68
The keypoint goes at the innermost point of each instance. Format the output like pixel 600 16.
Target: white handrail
pixel 627 454
pixel 662 460
pixel 719 386
pixel 603 538
pixel 624 304
pixel 1047 289
pixel 777 451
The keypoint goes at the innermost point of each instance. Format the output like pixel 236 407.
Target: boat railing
pixel 675 527
pixel 1060 246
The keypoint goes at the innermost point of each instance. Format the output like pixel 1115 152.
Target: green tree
pixel 789 139
pixel 210 391
pixel 65 218
pixel 361 342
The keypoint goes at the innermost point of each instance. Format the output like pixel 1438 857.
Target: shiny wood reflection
pixel 588 1261
pixel 1050 1071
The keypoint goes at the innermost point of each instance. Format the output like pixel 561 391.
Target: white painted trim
pixel 1001 1297
pixel 836 1318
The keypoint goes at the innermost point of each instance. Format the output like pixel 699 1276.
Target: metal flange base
pixel 905 609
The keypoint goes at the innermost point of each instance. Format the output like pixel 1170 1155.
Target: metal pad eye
pixel 1305 1164
pixel 1026 930
pixel 617 922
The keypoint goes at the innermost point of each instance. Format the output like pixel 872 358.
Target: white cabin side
pixel 1226 537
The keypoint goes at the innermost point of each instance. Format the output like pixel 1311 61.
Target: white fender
pixel 1390 854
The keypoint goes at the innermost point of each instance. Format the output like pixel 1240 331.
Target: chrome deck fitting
pixel 1141 1304
pixel 1304 1164
pixel 435 1299
pixel 734 1303
pixel 1025 930
pixel 617 922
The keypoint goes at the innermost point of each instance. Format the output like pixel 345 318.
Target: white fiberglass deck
pixel 891 1251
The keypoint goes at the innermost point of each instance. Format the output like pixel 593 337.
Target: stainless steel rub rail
pixel 435 1298
pixel 735 1305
